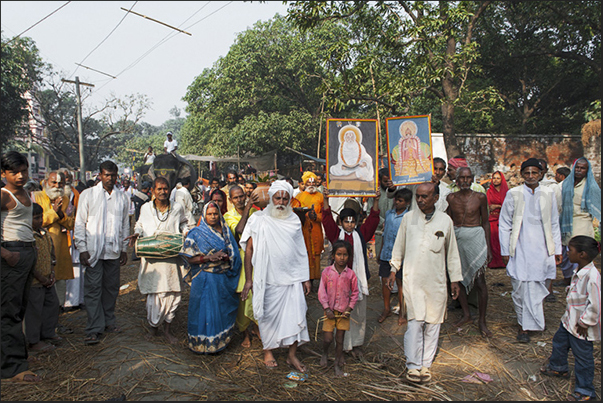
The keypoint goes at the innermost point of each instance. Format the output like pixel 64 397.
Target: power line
pixel 107 37
pixel 38 22
pixel 165 39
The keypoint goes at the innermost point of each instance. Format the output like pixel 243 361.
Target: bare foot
pixel 402 320
pixel 269 360
pixel 384 315
pixel 41 346
pixel 484 330
pixel 170 338
pixel 324 360
pixel 357 353
pixel 338 370
pixel 246 343
pixel 463 320
pixel 153 332
pixel 296 363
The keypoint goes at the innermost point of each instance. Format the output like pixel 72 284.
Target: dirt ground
pixel 125 366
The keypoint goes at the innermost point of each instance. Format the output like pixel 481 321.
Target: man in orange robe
pixel 58 221
pixel 312 223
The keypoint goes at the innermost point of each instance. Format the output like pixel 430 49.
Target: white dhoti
pixel 355 336
pixel 421 343
pixel 528 297
pixel 162 307
pixel 284 320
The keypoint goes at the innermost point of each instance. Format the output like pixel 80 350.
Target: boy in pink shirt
pixel 338 294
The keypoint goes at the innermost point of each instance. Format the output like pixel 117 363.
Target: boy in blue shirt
pixel 393 218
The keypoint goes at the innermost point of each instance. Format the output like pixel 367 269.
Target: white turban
pixel 278 186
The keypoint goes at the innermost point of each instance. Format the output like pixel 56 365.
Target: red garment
pixel 496 197
pixel 367 229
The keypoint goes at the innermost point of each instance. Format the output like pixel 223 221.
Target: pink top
pixel 338 291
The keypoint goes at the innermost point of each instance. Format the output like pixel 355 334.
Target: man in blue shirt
pixel 393 218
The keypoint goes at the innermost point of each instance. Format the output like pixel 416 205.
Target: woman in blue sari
pixel 215 264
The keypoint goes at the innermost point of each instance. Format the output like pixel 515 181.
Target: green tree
pixel 539 57
pixel 265 94
pixel 22 70
pixel 431 42
pixel 105 128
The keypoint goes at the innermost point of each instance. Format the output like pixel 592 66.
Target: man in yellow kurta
pixel 236 219
pixel 58 222
pixel 312 224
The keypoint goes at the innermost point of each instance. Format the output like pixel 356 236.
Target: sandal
pixel 112 329
pixel 425 374
pixel 24 377
pixel 549 372
pixel 91 339
pixel 413 375
pixel 579 397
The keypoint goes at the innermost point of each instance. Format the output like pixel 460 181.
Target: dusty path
pixel 128 366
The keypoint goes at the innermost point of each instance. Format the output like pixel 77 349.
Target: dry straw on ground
pixel 127 365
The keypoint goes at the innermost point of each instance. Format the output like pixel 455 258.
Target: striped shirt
pixel 584 303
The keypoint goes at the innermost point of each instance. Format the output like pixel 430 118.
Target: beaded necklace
pixel 166 214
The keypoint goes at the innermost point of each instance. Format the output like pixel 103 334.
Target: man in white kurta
pixel 277 270
pixel 530 246
pixel 160 279
pixel 426 246
pixel 101 227
pixel 184 198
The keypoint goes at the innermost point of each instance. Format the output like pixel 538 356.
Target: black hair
pixel 90 183
pixel 36 209
pixel 341 243
pixel 440 160
pixel 108 166
pixel 404 194
pixel 162 180
pixel 383 172
pixel 233 172
pixel 214 179
pixel 253 184
pixel 185 181
pixel 13 160
pixel 587 244
pixel 565 171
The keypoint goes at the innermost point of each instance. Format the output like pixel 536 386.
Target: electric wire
pixel 103 41
pixel 38 22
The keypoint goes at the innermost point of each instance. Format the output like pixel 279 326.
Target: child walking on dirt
pixel 42 312
pixel 581 323
pixel 338 294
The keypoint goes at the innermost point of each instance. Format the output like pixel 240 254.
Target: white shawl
pixel 279 254
pixel 358 263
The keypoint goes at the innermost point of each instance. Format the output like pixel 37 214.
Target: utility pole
pixel 79 124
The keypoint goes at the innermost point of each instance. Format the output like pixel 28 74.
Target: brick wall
pixel 488 153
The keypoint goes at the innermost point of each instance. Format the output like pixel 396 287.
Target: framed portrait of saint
pixel 352 152
pixel 410 156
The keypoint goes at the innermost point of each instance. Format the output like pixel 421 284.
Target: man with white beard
pixel 276 270
pixel 58 221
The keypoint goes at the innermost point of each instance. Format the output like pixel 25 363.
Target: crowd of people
pixel 251 266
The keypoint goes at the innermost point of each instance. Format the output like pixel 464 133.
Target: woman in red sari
pixel 496 195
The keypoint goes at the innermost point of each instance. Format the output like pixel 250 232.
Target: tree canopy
pixel 22 69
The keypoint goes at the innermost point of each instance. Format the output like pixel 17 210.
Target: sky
pixel 146 57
